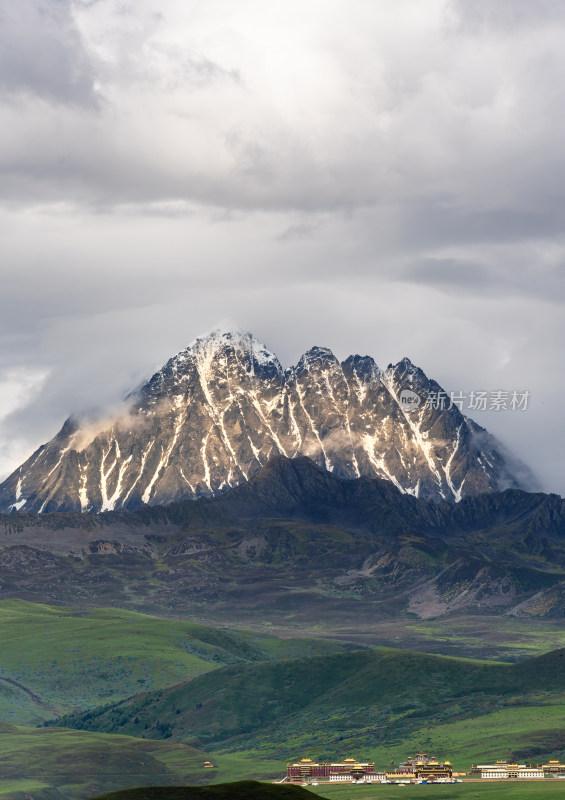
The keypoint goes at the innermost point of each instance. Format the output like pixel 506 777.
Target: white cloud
pixel 18 387
pixel 384 176
pixel 505 17
pixel 42 53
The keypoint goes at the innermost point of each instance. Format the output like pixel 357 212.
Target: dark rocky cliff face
pixel 296 545
pixel 219 410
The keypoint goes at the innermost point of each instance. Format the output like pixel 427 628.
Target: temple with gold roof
pixel 349 769
pixel 422 767
pixel 554 768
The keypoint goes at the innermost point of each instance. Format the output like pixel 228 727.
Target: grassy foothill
pixel 468 790
pixel 19 788
pixel 252 703
pixel 55 659
pixel 379 704
pixel 71 765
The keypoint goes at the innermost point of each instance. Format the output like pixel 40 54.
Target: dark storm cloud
pixel 42 53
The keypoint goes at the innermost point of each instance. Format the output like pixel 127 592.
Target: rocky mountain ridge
pixel 221 408
pixel 298 545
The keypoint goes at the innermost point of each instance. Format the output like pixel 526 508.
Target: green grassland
pixel 534 790
pixel 77 764
pixel 70 765
pixel 528 734
pixel 19 788
pixel 327 706
pixel 55 659
pixel 498 638
pixel 249 702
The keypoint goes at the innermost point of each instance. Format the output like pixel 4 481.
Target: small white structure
pixel 503 770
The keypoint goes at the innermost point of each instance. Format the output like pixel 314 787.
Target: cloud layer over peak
pixel 382 177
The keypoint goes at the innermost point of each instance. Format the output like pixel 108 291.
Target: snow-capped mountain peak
pixel 222 407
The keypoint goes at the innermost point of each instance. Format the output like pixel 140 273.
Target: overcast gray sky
pixel 384 178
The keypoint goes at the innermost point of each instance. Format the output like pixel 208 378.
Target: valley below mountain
pixel 248 564
pixel 296 614
pixel 120 699
pixel 366 699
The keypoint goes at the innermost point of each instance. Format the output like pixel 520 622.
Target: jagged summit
pixel 239 342
pixel 227 350
pixel 222 407
pixel 316 355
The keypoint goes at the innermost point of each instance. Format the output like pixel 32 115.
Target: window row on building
pixel 504 769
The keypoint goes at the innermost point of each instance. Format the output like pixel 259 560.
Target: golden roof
pixel 306 760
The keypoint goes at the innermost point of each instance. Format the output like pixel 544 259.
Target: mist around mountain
pixel 220 409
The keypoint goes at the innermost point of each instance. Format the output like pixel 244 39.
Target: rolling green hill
pixel 55 659
pixel 54 764
pixel 331 705
pixel 250 718
pixel 462 791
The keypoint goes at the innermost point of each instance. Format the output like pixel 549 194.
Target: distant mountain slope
pixel 298 543
pixel 51 764
pixel 55 659
pixel 318 704
pixel 219 410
